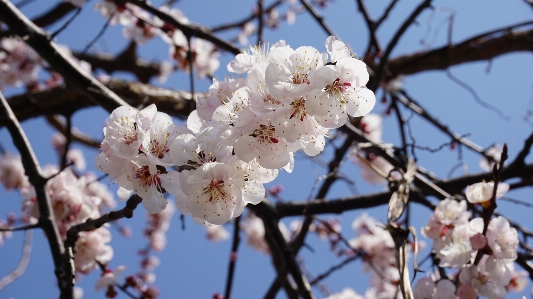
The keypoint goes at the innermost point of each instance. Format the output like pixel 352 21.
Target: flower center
pixel 337 88
pixel 298 109
pixel 215 189
pixel 146 179
pixel 300 78
pixel 265 134
pixel 159 147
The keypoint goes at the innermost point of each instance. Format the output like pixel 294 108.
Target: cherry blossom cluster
pixel 74 198
pixel 376 246
pixel 20 65
pixel 140 27
pixel 254 230
pixel 242 133
pixel 483 260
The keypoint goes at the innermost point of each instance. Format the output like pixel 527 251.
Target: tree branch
pixel 267 213
pixel 67 100
pixel 126 61
pixel 318 18
pixel 58 60
pixel 187 29
pixel 470 50
pixel 36 178
pixel 48 18
pixel 384 60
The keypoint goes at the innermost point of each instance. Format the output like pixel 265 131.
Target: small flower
pixel 216 233
pixel 109 278
pixel 481 193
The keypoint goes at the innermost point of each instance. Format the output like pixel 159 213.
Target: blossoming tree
pixel 248 125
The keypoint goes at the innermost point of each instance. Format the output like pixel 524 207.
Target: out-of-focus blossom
pixel 216 233
pixel 92 246
pixel 480 193
pixel 109 278
pixel 246 30
pixel 347 293
pixel 495 152
pixel 12 174
pixel 502 238
pixel 5 234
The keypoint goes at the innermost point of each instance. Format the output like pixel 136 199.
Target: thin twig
pixel 233 258
pixel 385 57
pixel 53 35
pixel 14 229
pixel 58 60
pixel 68 141
pixel 187 29
pixel 23 263
pixel 318 18
pixel 99 35
pixel 408 102
pixel 260 21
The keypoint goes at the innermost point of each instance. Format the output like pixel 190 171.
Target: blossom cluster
pixel 241 134
pixel 74 198
pixel 140 27
pixel 20 65
pixel 376 246
pixel 456 241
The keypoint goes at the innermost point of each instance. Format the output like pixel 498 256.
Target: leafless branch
pixel 23 263
pixel 58 60
pixel 36 178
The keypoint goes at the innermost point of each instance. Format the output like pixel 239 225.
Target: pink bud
pixel 478 241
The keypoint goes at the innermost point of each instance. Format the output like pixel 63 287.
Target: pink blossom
pixel 109 278
pixel 12 174
pixel 347 293
pixel 502 238
pixel 495 152
pixel 216 233
pixel 91 246
pixel 482 192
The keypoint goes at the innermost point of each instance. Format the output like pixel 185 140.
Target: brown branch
pixel 338 206
pixel 14 229
pixel 408 102
pixel 76 135
pixel 483 48
pixel 187 29
pixel 318 18
pixel 233 258
pixel 260 12
pixel 386 13
pixel 247 19
pixel 74 75
pixel 267 213
pixel 48 18
pixel 520 158
pixel 371 26
pixel 32 169
pixel 384 60
pixel 92 224
pixel 65 100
